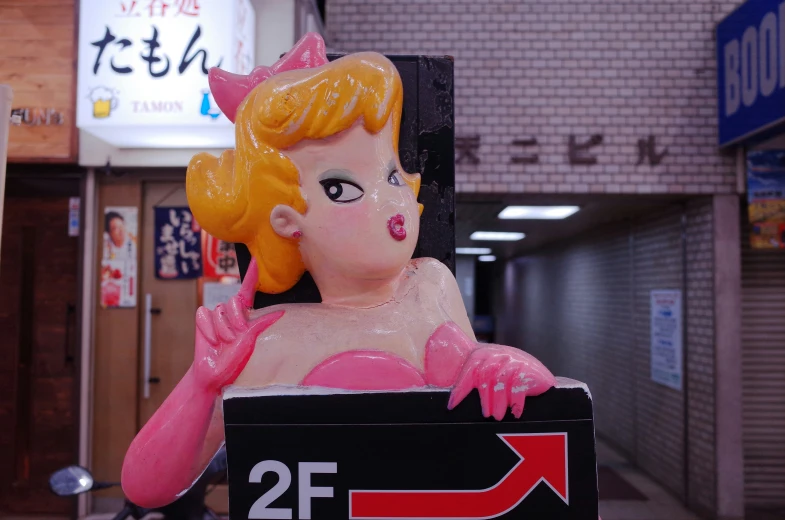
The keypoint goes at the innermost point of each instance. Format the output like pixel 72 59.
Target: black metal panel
pixel 411 441
pixel 426 145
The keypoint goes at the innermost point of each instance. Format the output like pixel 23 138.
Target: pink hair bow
pixel 229 90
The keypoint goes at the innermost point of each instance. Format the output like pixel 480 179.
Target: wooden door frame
pixel 89 208
pixel 96 181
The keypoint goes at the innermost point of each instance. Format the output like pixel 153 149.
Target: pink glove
pixel 503 376
pixel 224 338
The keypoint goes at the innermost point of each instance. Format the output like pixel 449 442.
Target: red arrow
pixel 543 459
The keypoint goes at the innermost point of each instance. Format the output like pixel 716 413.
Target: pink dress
pixel 445 353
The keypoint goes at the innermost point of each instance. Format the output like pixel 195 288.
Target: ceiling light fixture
pixel 538 212
pixel 473 250
pixel 499 236
pixel 487 258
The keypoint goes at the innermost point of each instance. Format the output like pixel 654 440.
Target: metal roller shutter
pixel 763 369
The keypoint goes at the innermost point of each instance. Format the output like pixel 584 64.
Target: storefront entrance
pixel 173 304
pixel 38 343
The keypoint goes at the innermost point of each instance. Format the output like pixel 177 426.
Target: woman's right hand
pixel 225 339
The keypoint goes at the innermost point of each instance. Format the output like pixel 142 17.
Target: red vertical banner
pixel 219 258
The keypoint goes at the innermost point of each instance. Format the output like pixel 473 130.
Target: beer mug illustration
pixel 104 101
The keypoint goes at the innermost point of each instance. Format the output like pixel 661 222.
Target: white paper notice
pixel 666 338
pixel 214 293
pixel 73 216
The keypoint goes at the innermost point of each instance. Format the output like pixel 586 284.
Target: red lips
pixel 395 225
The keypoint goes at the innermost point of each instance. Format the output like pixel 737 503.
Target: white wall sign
pixel 666 338
pixel 73 216
pixel 142 72
pixel 214 293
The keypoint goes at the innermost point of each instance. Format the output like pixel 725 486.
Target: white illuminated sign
pixel 142 72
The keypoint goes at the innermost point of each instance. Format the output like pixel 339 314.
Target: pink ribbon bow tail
pixel 229 90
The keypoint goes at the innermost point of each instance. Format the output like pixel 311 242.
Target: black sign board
pixel 404 455
pixel 427 146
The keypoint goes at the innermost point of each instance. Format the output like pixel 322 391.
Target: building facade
pixel 611 103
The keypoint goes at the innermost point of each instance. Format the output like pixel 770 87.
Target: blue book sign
pixel 178 244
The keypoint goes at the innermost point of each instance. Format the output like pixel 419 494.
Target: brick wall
pixel 583 308
pixel 549 69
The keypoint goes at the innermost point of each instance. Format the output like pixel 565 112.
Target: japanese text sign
pixel 219 257
pixel 143 64
pixel 178 244
pixel 666 338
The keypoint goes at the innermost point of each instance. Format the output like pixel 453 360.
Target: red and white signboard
pixel 219 258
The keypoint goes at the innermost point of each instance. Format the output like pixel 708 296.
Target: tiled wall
pixel 583 309
pixel 551 69
pixel 700 353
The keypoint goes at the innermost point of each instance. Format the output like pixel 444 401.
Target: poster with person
pixel 119 260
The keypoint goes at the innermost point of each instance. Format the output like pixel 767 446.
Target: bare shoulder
pixel 436 273
pixel 430 267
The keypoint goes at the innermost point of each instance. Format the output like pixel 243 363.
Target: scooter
pixel 75 480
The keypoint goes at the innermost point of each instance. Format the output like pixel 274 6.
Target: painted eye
pixel 395 178
pixel 341 191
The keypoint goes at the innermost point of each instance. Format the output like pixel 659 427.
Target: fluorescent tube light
pixel 487 258
pixel 473 250
pixel 500 236
pixel 538 212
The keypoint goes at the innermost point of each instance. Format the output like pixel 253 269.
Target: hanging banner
pixel 766 198
pixel 119 260
pixel 178 244
pixel 219 257
pixel 666 338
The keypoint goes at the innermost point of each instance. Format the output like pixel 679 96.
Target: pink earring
pixel 297 234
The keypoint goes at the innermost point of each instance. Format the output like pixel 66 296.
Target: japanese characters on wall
pixel 766 198
pixel 578 151
pixel 178 244
pixel 144 65
pixel 119 259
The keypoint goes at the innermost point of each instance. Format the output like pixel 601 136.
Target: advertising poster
pixel 119 260
pixel 219 257
pixel 666 338
pixel 766 198
pixel 178 244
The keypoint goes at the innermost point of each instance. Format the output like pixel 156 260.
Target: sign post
pixel 338 454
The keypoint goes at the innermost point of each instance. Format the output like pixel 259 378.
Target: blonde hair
pixel 232 196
